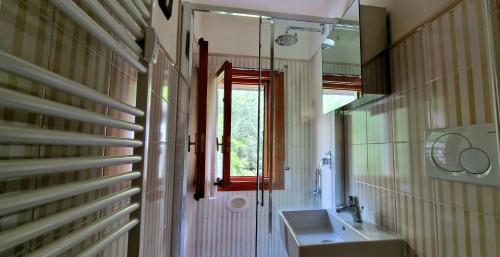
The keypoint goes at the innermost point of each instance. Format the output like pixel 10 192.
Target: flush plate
pixel 468 154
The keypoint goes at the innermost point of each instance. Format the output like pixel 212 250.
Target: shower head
pixel 286 39
pixel 327 43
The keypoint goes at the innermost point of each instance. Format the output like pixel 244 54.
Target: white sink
pixel 324 233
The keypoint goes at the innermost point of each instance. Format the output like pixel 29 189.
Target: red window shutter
pixel 202 119
pixel 226 72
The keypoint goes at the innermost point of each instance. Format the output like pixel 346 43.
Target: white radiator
pixel 120 35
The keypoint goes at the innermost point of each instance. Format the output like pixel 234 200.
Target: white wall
pixel 239 36
pixel 167 29
pixel 405 15
pixel 322 137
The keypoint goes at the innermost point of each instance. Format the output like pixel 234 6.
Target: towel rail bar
pixel 79 16
pixel 97 9
pixel 14 99
pixel 125 18
pixel 25 232
pixel 15 202
pixel 108 239
pixel 22 68
pixel 142 8
pixel 59 246
pixel 22 135
pixel 30 167
pixel 134 12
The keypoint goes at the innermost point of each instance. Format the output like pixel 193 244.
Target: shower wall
pixel 220 232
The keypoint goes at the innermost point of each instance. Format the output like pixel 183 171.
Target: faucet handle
pixel 350 200
pixel 353 200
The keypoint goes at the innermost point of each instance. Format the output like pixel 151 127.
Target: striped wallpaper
pixel 39 33
pixel 441 77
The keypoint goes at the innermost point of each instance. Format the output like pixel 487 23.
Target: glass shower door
pixel 291 51
pixel 263 161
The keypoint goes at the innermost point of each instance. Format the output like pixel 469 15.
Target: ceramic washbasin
pixel 324 233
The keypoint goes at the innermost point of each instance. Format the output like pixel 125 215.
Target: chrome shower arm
pixel 321 30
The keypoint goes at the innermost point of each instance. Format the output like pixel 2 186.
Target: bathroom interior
pixel 232 128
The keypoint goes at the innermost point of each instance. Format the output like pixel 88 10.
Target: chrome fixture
pixel 286 39
pixel 327 160
pixel 320 30
pixel 352 207
pixel 347 26
pixel 327 43
pixel 289 39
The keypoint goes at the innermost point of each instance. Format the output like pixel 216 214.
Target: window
pixel 339 90
pixel 333 99
pixel 238 128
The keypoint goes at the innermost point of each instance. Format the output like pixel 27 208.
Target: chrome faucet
pixel 327 160
pixel 352 207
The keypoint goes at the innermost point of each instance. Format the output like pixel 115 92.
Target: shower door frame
pixel 194 7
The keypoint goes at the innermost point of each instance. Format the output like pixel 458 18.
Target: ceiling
pixel 240 36
pixel 318 8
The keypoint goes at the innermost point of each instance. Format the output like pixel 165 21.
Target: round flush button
pixel 446 150
pixel 474 160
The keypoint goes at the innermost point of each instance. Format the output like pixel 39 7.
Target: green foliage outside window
pixel 243 131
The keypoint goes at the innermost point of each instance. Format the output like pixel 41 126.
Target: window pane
pixel 244 133
pixel 333 99
pixel 244 115
pixel 220 128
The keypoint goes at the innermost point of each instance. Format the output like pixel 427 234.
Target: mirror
pixel 341 61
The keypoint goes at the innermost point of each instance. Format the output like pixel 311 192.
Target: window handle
pixel 191 143
pixel 219 144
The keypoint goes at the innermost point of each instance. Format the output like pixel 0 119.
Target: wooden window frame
pixel 342 82
pixel 201 127
pixel 246 77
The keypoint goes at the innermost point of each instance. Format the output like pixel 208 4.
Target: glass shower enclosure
pixel 294 161
pixel 288 51
pixel 301 174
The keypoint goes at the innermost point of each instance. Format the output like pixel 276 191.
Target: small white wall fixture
pixel 237 203
pixel 467 154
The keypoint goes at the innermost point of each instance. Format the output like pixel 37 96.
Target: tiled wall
pixel 37 32
pixel 441 77
pixel 182 202
pixel 159 181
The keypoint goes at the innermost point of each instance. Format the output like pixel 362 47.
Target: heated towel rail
pixel 121 35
